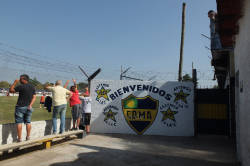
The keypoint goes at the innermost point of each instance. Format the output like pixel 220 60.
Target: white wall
pixel 39 129
pixel 242 64
pixel 178 124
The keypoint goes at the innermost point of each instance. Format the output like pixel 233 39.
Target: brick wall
pixel 242 65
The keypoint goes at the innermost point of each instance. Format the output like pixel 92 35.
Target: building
pixel 230 47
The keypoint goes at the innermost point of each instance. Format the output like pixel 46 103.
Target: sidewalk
pixel 133 150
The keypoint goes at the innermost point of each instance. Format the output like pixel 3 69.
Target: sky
pixel 142 34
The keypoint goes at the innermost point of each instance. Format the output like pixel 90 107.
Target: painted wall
pixel 242 61
pixel 39 129
pixel 142 107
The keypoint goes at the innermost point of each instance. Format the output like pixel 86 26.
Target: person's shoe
pixel 72 129
pixel 88 133
pixel 54 133
pixel 77 128
pixel 60 132
pixel 19 140
pixel 27 138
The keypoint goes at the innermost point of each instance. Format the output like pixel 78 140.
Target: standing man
pixel 23 110
pixel 86 107
pixel 59 102
pixel 7 95
pixel 42 100
pixel 212 14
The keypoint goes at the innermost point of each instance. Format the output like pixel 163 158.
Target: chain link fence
pixel 39 81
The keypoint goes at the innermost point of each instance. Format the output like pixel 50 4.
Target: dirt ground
pixel 127 149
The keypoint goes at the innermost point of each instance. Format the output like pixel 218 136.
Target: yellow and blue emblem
pixel 140 113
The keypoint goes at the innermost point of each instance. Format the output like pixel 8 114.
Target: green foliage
pixel 39 87
pixel 5 84
pixel 188 78
pixel 46 84
pixel 34 82
pixel 81 86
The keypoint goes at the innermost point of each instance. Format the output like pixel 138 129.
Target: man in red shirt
pixel 42 100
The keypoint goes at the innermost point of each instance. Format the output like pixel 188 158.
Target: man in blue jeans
pixel 59 102
pixel 26 99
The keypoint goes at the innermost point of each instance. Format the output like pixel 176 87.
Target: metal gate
pixel 212 107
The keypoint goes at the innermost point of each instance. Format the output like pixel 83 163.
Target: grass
pixel 7 110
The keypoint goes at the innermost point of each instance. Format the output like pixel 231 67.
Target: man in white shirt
pixel 86 108
pixel 59 102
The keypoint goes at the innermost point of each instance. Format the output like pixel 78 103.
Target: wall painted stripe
pixel 212 111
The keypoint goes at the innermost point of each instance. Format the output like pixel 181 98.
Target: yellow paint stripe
pixel 212 111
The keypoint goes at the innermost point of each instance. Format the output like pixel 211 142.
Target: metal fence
pixel 44 71
pixel 39 81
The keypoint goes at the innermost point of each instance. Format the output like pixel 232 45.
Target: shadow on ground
pixel 134 150
pixel 127 157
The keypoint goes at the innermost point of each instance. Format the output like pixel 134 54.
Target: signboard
pixel 142 107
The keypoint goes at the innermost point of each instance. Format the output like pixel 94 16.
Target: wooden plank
pixel 37 140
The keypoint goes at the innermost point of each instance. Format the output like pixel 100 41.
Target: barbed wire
pixel 207 46
pixel 60 68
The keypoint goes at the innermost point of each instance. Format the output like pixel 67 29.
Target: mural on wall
pixel 155 108
pixel 139 113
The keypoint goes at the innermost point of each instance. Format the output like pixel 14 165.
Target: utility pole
pixel 121 74
pixel 192 69
pixel 182 40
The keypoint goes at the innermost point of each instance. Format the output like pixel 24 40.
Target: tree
pixel 34 81
pixel 81 86
pixel 188 78
pixel 5 84
pixel 46 84
pixel 39 87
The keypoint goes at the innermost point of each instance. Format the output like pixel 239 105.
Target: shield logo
pixel 140 113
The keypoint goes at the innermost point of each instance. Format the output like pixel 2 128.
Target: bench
pixel 45 140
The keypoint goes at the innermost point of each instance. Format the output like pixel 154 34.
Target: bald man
pixel 59 102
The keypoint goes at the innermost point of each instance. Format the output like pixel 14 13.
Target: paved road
pixel 133 150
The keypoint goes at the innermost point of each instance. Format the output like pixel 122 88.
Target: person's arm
pixel 65 86
pixel 47 87
pixel 69 96
pixel 32 101
pixel 75 83
pixel 12 90
pixel 81 97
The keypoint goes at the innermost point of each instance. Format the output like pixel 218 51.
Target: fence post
pixel 195 104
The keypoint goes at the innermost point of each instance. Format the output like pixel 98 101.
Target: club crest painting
pixel 142 107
